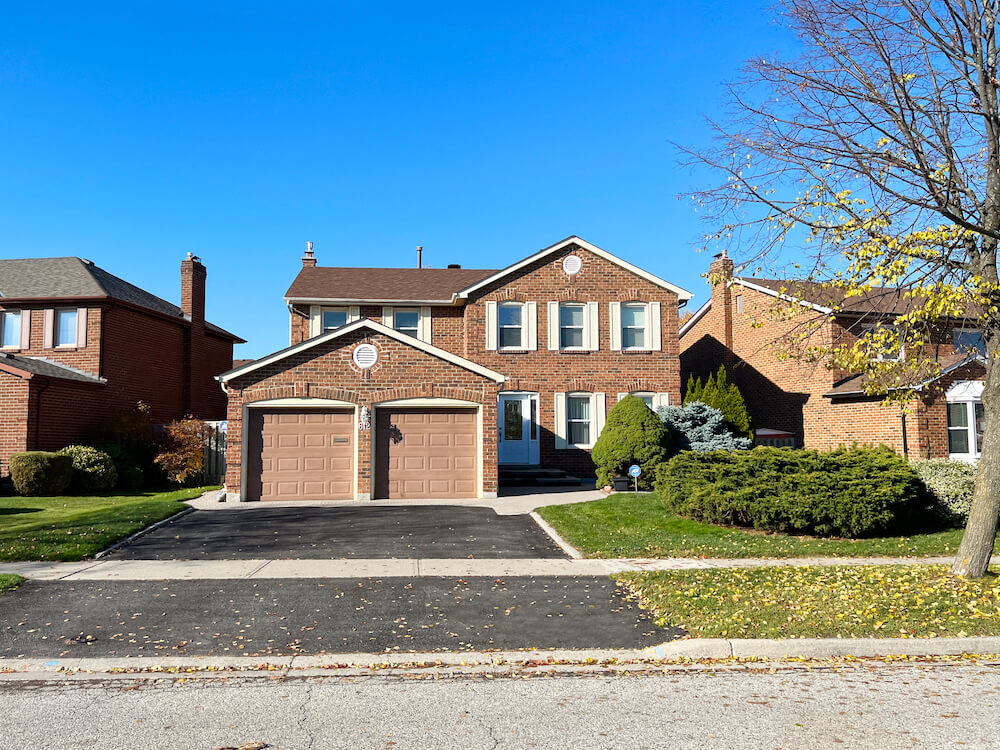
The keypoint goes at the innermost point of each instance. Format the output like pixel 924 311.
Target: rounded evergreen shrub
pixel 951 485
pixel 93 470
pixel 632 434
pixel 698 427
pixel 40 472
pixel 849 492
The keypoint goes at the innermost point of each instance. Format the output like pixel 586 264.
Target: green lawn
pixel 73 528
pixel 8 582
pixel 638 525
pixel 888 601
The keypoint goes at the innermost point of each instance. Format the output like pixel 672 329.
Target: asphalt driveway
pixel 283 617
pixel 344 532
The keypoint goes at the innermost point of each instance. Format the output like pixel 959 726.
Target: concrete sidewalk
pixel 157 570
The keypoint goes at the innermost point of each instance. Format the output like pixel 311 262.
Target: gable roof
pixel 71 277
pixel 47 368
pixel 350 328
pixel 333 284
pixel 682 294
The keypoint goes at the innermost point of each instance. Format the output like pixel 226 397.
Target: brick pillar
pixel 719 274
pixel 197 380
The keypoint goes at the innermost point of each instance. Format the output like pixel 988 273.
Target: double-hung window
pixel 578 420
pixel 510 319
pixel 571 325
pixel 634 326
pixel 407 320
pixel 334 318
pixel 10 329
pixel 64 328
pixel 965 429
pixel 967 340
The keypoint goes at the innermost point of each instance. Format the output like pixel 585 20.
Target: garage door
pixel 307 455
pixel 426 453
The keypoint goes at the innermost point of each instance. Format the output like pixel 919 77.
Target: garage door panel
pixel 426 453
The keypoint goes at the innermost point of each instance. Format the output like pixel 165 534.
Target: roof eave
pixel 453 301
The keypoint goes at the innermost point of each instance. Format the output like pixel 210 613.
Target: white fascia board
pixel 698 315
pixel 356 301
pixel 377 328
pixel 779 295
pixel 682 294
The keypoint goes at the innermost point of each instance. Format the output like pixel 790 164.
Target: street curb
pixel 142 532
pixel 565 546
pixel 708 652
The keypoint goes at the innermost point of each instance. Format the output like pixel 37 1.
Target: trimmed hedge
pixel 633 434
pixel 40 473
pixel 850 492
pixel 93 470
pixel 951 485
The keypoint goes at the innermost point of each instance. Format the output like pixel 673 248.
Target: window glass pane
pixel 65 333
pixel 980 425
pixel 647 399
pixel 510 338
pixel 10 322
pixel 534 419
pixel 334 319
pixel 958 441
pixel 958 415
pixel 578 407
pixel 966 341
pixel 633 338
pixel 513 421
pixel 634 315
pixel 579 433
pixel 510 315
pixel 571 315
pixel 407 321
pixel 571 337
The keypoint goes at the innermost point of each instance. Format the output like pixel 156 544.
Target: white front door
pixel 518 428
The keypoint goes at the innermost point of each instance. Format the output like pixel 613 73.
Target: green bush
pixel 850 492
pixel 633 434
pixel 40 472
pixel 93 470
pixel 720 394
pixel 131 478
pixel 131 475
pixel 950 485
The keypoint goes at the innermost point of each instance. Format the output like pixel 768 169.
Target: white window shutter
pixel 50 322
pixel 661 399
pixel 425 325
pixel 491 326
pixel 387 319
pixel 531 326
pixel 554 333
pixel 616 326
pixel 592 329
pixel 81 327
pixel 654 327
pixel 621 397
pixel 25 329
pixel 598 407
pixel 315 320
pixel 353 314
pixel 560 421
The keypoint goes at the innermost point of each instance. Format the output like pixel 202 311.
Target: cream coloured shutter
pixel 654 327
pixel 661 399
pixel 387 319
pixel 598 408
pixel 592 330
pixel 559 428
pixel 425 325
pixel 49 317
pixel 615 326
pixel 81 327
pixel 554 335
pixel 491 326
pixel 315 320
pixel 25 329
pixel 353 314
pixel 531 326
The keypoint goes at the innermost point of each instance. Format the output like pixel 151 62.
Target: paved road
pixel 315 616
pixel 344 532
pixel 883 708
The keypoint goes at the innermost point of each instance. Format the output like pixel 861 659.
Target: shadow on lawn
pixel 15 511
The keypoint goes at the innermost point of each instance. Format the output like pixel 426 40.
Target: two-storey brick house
pixel 407 383
pixel 762 329
pixel 79 345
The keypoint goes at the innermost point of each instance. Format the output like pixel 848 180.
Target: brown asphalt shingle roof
pixel 855 385
pixel 48 368
pixel 404 284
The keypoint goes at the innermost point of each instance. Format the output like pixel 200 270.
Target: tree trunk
pixel 974 552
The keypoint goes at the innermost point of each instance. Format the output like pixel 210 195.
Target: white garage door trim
pixel 425 403
pixel 293 404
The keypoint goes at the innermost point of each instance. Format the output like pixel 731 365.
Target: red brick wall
pixel 327 371
pixel 85 358
pixel 14 406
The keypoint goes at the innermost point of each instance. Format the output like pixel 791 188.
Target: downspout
pixel 906 446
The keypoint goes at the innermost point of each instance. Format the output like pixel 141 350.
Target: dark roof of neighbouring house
pixel 48 368
pixel 377 284
pixel 855 385
pixel 69 277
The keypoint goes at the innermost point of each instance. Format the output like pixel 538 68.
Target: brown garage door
pixel 307 455
pixel 426 453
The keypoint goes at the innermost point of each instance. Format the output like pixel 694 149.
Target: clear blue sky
pixel 132 133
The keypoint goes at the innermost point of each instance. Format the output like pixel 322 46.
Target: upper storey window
pixel 511 326
pixel 406 320
pixel 634 330
pixel 635 326
pixel 967 341
pixel 65 328
pixel 10 329
pixel 571 319
pixel 335 317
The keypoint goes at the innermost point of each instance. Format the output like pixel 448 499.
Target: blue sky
pixel 134 133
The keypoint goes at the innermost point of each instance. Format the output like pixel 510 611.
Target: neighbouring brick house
pixel 79 345
pixel 759 328
pixel 420 382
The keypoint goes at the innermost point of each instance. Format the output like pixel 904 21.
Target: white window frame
pixel 55 327
pixel 598 416
pixel 582 327
pixel 586 397
pixel 645 327
pixel 523 327
pixel 955 332
pixel 974 451
pixel 416 328
pixel 322 320
pixel 5 320
pixel 659 399
pixel 881 356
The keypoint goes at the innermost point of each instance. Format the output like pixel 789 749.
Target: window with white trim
pixel 510 325
pixel 968 340
pixel 64 327
pixel 649 399
pixel 335 317
pixel 965 429
pixel 10 329
pixel 571 316
pixel 635 319
pixel 578 420
pixel 407 320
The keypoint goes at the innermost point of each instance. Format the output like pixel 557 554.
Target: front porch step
pixel 536 476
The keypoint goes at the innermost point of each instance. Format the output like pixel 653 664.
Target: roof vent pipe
pixel 420 256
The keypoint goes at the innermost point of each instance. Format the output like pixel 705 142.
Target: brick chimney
pixel 719 274
pixel 193 275
pixel 308 261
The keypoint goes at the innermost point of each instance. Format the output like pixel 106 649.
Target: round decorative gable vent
pixel 572 264
pixel 365 356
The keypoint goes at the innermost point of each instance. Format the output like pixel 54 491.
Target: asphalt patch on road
pixel 396 531
pixel 74 619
